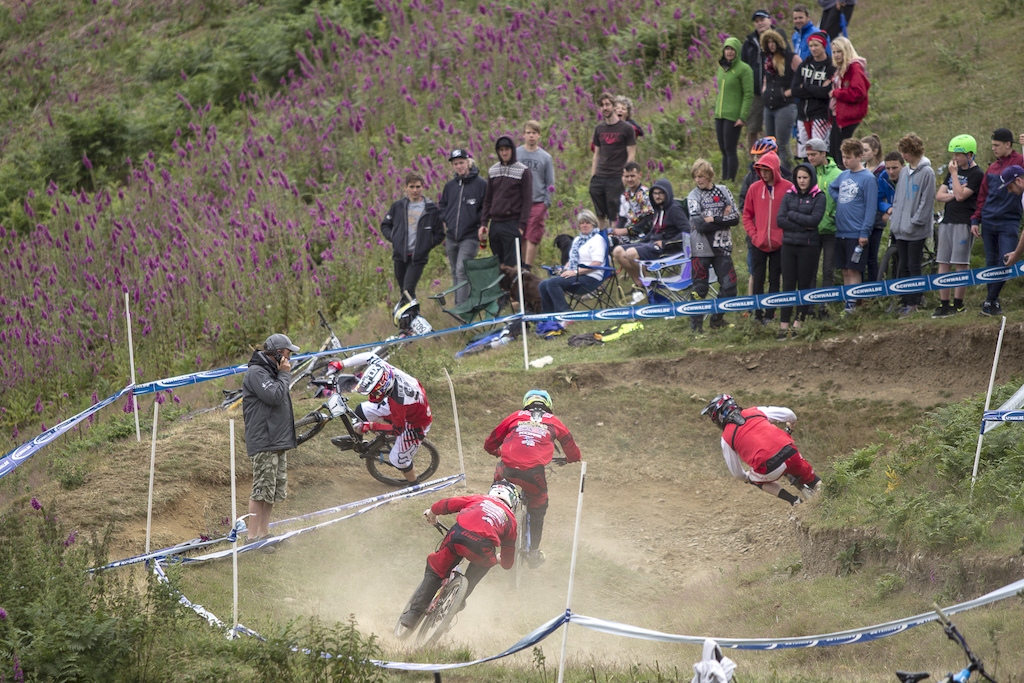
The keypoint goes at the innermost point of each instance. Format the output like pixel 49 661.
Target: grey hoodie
pixel 913 202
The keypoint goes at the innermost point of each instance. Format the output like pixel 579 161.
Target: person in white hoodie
pixel 912 222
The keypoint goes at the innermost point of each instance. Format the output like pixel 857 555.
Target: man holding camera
pixel 269 429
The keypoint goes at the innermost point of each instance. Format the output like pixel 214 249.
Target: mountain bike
pixel 447 602
pixel 889 264
pixel 374 452
pixel 315 366
pixel 961 676
pixel 523 533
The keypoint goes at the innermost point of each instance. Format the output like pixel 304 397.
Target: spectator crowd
pixel 815 198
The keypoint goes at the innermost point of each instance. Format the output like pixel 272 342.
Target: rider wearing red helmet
pixel 399 401
pixel 748 436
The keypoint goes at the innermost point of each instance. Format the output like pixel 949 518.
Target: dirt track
pixel 665 521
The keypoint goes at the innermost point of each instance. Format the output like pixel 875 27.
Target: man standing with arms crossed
pixel 614 145
pixel 997 215
pixel 543 170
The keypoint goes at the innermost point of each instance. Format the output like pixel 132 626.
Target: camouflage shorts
pixel 269 476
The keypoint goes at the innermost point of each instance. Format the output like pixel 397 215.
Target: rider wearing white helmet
pixel 525 442
pixel 397 403
pixel 748 436
pixel 484 523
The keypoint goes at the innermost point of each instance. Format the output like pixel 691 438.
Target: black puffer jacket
pixel 801 212
pixel 267 407
pixel 776 82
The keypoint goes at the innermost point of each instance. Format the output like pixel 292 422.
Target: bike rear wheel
pixel 437 621
pixel 308 427
pixel 380 468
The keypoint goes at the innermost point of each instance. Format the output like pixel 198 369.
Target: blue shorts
pixel 844 250
pixel 646 251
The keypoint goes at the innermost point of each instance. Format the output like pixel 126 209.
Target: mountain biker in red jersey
pixel 483 524
pixel 748 436
pixel 399 399
pixel 525 442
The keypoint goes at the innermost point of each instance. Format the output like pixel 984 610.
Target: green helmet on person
pixel 537 397
pixel 964 144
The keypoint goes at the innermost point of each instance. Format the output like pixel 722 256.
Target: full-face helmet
pixel 377 381
pixel 538 398
pixel 720 408
pixel 506 492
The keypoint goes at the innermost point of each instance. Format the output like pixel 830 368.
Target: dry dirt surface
pixel 658 529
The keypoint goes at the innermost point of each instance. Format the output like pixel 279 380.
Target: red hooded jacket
pixel 851 94
pixel 761 208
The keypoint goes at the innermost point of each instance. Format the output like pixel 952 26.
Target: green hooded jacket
pixel 735 85
pixel 826 174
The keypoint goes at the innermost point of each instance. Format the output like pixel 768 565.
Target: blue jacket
pixel 856 197
pixel 886 192
pixel 800 40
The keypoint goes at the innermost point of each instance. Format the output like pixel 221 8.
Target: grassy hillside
pixel 226 165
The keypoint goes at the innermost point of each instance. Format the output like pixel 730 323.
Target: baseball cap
pixel 1009 174
pixel 817 144
pixel 761 14
pixel 1002 135
pixel 458 154
pixel 279 341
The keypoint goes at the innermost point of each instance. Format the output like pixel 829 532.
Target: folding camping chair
pixel 483 277
pixel 607 295
pixel 672 276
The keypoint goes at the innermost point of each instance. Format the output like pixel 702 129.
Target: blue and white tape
pixel 865 290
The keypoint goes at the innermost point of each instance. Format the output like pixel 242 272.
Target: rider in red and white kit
pixel 525 442
pixel 748 436
pixel 484 523
pixel 399 399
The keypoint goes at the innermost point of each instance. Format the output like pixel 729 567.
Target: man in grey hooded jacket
pixel 269 429
pixel 912 220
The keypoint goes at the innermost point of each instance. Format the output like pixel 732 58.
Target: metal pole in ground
pixel 458 432
pixel 522 307
pixel 988 398
pixel 131 361
pixel 234 544
pixel 572 568
pixel 152 470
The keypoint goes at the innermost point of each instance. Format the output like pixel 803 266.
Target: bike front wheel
pixel 889 264
pixel 380 468
pixel 309 426
pixel 437 621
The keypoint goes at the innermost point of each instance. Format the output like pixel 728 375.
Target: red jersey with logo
pixel 757 440
pixel 523 442
pixel 485 517
pixel 407 405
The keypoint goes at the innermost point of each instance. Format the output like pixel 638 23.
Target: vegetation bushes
pixel 919 491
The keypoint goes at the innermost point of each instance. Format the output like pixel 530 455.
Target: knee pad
pixel 405 469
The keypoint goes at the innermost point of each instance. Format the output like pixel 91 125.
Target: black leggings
pixel 772 262
pixel 836 138
pixel 728 137
pixel 911 253
pixel 799 271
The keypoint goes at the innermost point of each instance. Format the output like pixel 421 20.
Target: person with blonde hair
pixel 850 87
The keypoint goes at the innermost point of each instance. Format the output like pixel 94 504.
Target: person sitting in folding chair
pixel 584 270
pixel 669 226
pixel 712 213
